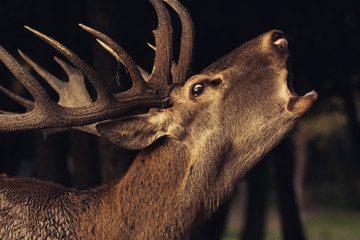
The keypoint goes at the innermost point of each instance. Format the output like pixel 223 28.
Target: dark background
pixel 322 154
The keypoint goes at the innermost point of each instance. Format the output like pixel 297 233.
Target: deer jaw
pixel 246 107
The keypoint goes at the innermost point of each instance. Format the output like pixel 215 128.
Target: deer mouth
pixel 289 83
pixel 298 105
pixel 281 41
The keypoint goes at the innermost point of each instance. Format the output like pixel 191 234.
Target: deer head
pixel 202 135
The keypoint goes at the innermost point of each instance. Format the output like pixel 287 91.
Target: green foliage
pixel 320 224
pixel 333 224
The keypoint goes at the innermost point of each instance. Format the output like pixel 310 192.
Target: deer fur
pixel 208 131
pixel 194 153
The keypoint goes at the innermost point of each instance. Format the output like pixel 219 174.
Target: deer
pixel 202 134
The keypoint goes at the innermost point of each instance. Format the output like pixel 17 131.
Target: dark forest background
pixel 317 166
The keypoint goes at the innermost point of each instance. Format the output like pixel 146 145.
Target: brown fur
pixel 195 152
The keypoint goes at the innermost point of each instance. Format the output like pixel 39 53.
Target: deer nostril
pixel 280 40
pixel 282 43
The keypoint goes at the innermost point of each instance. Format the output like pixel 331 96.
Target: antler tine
pixel 145 75
pixel 35 89
pixel 72 93
pixel 187 42
pixel 51 79
pixel 103 93
pixel 29 105
pixel 160 76
pixel 139 85
pixel 173 65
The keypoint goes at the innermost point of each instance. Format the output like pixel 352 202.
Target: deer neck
pixel 165 194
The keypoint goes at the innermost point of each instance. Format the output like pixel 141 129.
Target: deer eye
pixel 198 89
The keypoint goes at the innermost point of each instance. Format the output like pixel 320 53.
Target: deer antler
pixel 75 107
pixel 182 69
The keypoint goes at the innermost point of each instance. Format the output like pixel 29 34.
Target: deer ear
pixel 135 132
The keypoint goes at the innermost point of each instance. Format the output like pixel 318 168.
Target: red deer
pixel 203 134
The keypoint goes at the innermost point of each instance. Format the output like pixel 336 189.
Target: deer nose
pixel 280 40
